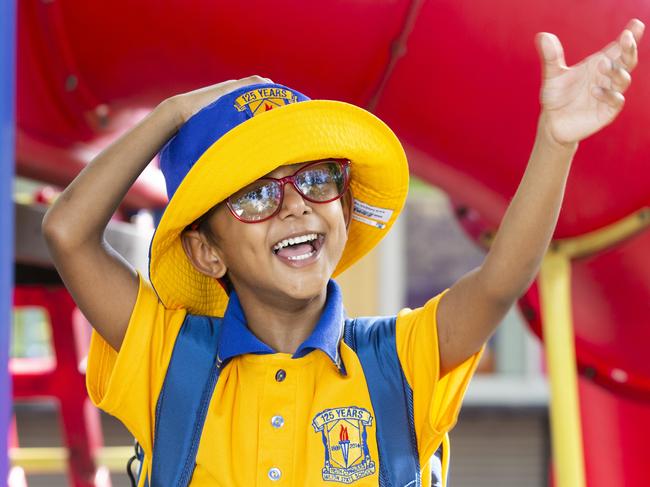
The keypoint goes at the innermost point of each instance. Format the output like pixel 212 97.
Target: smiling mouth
pixel 299 248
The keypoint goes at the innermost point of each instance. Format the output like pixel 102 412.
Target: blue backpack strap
pixel 183 401
pixel 373 340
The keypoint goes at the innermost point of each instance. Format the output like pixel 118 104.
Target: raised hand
pixel 578 101
pixel 187 104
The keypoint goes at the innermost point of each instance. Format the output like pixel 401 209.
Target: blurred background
pixel 458 82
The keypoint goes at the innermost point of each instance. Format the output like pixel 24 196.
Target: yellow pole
pixel 566 430
pixel 557 324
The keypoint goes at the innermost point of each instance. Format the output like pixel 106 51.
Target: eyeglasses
pixel 321 181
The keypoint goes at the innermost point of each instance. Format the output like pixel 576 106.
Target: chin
pixel 304 287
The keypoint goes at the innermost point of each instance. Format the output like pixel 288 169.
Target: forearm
pixel 527 227
pixel 83 210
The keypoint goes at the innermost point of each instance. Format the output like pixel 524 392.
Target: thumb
pixel 551 54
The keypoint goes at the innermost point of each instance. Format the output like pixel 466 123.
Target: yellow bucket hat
pixel 244 135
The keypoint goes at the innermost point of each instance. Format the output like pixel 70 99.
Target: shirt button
pixel 280 375
pixel 277 421
pixel 275 474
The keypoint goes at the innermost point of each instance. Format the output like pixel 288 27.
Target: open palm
pixel 581 99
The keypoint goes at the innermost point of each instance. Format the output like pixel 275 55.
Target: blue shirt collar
pixel 237 339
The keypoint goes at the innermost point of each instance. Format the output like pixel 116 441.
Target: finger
pixel 256 78
pixel 629 54
pixel 551 54
pixel 614 49
pixel 615 76
pixel 612 98
pixel 636 27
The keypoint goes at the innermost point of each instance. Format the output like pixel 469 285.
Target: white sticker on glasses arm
pixel 374 212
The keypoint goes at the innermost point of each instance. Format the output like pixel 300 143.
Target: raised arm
pixel 576 101
pixel 101 282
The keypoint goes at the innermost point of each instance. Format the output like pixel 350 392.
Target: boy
pixel 271 195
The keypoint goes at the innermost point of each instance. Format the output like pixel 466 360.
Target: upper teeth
pixel 294 240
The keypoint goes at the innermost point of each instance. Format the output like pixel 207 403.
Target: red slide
pixel 457 80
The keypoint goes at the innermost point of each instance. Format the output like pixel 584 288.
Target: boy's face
pixel 249 251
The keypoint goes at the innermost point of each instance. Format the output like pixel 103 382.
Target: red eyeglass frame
pixel 344 163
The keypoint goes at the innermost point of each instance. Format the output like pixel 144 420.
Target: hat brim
pixel 291 134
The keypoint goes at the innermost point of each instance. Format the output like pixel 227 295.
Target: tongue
pixel 294 250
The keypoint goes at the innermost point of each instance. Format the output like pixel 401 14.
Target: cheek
pixel 248 246
pixel 241 242
pixel 338 231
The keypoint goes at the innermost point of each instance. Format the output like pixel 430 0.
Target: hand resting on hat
pixel 187 104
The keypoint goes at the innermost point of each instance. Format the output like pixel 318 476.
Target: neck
pixel 282 323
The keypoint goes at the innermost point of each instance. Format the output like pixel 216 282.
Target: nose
pixel 293 204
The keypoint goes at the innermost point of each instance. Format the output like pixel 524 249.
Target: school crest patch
pixel 345 438
pixel 262 100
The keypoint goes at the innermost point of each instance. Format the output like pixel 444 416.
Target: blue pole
pixel 7 153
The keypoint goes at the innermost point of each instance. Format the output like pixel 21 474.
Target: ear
pixel 203 255
pixel 346 205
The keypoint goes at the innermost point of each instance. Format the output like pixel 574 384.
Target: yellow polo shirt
pixel 262 423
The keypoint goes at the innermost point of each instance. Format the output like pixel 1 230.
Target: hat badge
pixel 260 100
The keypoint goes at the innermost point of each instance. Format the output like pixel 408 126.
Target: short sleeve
pixel 126 384
pixel 436 400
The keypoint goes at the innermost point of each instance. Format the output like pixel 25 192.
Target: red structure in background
pixel 62 379
pixel 457 80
